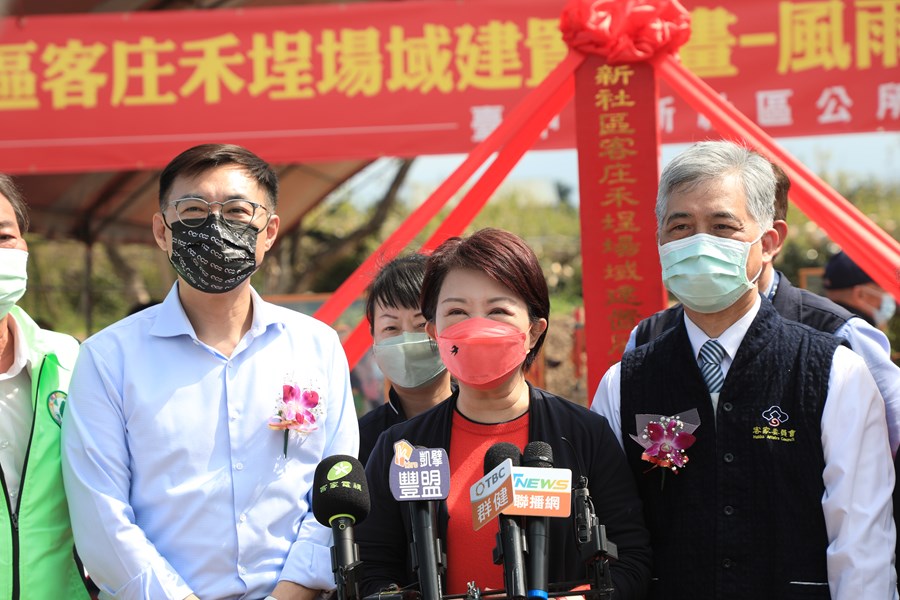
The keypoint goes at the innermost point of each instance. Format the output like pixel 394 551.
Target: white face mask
pixel 707 273
pixel 408 360
pixel 887 309
pixel 13 276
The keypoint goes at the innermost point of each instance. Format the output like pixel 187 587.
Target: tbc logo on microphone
pixel 491 494
pixel 419 473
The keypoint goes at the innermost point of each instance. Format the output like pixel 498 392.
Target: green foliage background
pixel 57 271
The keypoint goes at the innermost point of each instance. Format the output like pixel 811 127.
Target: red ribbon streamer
pixel 360 339
pixel 625 31
pixel 870 247
pixel 356 283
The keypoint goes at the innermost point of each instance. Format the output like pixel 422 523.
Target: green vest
pixel 37 559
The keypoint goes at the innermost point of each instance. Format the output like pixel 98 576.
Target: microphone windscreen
pixel 499 452
pixel 340 490
pixel 538 454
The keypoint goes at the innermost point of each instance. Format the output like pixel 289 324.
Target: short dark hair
pixel 397 285
pixel 782 187
pixel 202 158
pixel 502 256
pixel 11 192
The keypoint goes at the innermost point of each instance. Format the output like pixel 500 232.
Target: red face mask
pixel 481 352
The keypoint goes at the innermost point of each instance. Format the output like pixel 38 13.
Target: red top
pixel 470 552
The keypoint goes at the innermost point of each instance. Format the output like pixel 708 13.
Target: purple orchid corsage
pixel 665 439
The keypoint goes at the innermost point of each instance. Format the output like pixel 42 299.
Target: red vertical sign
pixel 618 164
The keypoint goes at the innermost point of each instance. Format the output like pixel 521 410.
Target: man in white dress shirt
pixel 195 426
pixel 785 486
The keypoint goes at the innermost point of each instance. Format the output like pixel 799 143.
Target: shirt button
pixel 243 518
pixel 727 563
pixel 243 570
pixel 727 407
pixel 729 457
pixel 4 444
pixel 239 466
pixel 728 510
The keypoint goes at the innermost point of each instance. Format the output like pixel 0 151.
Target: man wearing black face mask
pixel 195 426
pixel 788 487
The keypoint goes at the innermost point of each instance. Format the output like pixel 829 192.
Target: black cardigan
pixel 385 535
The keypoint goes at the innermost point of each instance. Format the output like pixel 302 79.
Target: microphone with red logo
pixel 340 499
pixel 540 455
pixel 510 541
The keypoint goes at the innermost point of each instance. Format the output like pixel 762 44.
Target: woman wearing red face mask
pixel 486 303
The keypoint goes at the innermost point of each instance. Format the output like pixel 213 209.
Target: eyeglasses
pixel 193 212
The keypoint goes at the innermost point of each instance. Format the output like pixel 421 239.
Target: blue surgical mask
pixel 707 273
pixel 886 310
pixel 408 360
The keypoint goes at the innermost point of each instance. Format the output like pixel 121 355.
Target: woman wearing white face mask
pixel 487 305
pixel 403 351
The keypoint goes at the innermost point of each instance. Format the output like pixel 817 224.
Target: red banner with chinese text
pixel 618 162
pixel 130 90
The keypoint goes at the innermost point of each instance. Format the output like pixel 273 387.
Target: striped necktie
pixel 711 355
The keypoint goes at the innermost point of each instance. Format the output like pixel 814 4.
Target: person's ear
pixel 272 231
pixel 537 329
pixel 781 228
pixel 431 329
pixel 770 243
pixel 159 232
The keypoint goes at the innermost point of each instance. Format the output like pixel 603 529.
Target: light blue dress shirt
pixel 176 484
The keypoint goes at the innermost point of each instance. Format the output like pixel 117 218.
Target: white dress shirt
pixel 175 482
pixel 858 475
pixel 16 416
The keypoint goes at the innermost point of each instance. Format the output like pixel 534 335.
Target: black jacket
pixel 385 535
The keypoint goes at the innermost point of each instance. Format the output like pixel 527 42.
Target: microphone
pixel 340 499
pixel 540 455
pixel 420 476
pixel 510 541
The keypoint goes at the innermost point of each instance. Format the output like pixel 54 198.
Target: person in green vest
pixel 37 552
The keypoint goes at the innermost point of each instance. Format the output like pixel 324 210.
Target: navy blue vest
pixel 743 519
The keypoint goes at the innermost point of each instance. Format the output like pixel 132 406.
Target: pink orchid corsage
pixel 665 439
pixel 295 412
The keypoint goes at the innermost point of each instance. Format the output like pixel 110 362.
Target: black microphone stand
pixel 593 546
pixel 345 561
pixel 428 558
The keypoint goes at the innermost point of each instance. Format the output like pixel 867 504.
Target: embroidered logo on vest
pixel 56 404
pixel 775 418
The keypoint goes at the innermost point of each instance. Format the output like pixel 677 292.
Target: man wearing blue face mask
pixel 803 306
pixel 406 355
pixel 785 486
pixel 851 287
pixel 36 546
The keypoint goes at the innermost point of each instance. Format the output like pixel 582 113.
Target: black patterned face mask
pixel 215 257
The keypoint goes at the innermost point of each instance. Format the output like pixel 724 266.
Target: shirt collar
pixel 773 285
pixel 20 358
pixel 173 321
pixel 730 339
